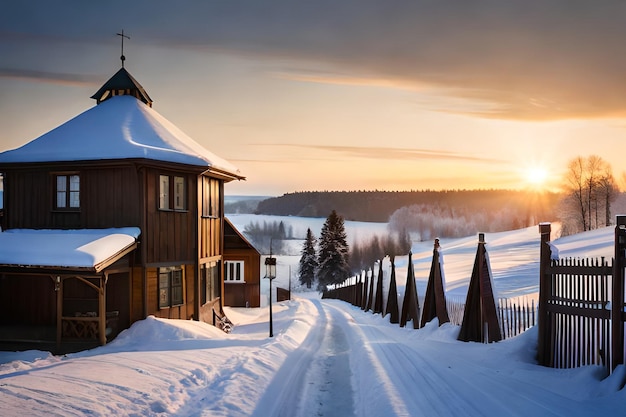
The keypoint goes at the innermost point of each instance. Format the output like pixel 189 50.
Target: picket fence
pixel 581 306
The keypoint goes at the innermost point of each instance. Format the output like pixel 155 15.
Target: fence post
pixel 435 299
pixel 378 301
pixel 410 303
pixel 544 353
pixel 392 297
pixel 364 295
pixel 480 315
pixel 370 301
pixel 617 303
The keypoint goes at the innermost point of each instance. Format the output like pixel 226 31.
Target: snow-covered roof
pixel 121 127
pixel 92 249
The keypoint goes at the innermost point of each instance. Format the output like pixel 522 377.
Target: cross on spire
pixel 123 58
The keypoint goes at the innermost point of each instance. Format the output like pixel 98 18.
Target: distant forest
pixel 441 213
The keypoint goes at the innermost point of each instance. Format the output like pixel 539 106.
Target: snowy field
pixel 326 358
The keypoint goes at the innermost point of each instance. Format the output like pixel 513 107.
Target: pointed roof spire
pixel 122 84
pixel 122 57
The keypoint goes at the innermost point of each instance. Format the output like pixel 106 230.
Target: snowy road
pixel 327 358
pixel 356 364
pixel 321 383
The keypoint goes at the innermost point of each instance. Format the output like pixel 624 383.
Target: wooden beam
pixel 102 319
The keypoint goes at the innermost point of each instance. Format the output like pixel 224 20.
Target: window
pixel 179 193
pixel 233 272
pixel 170 286
pixel 210 276
pixel 67 189
pixel 164 192
pixel 172 193
pixel 210 197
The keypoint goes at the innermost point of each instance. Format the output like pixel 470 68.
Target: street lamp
pixel 270 273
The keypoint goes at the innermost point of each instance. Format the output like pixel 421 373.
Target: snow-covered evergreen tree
pixel 333 252
pixel 308 260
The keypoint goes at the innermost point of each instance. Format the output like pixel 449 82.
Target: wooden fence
pixel 580 315
pixel 581 306
pixel 365 291
pixel 515 316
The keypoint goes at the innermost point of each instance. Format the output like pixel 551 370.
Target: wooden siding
pixel 236 295
pixel 104 198
pixel 118 298
pixel 210 203
pixel 170 235
pixel 137 295
pixel 210 237
pixel 27 300
pixel 190 290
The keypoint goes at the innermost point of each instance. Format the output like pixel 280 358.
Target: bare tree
pixel 596 169
pixel 590 188
pixel 575 182
pixel 607 191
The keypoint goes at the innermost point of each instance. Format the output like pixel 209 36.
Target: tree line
pixel 267 236
pixel 378 206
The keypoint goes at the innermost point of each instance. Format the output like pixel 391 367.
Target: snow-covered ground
pixel 326 358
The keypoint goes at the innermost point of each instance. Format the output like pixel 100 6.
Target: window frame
pixel 172 193
pixel 234 272
pixel 164 192
pixel 171 286
pixel 210 281
pixel 71 191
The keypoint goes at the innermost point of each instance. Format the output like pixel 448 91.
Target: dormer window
pixel 67 192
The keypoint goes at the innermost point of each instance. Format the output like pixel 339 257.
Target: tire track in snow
pixel 281 398
pixel 366 365
pixel 327 390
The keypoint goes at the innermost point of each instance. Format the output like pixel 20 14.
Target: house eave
pixel 99 163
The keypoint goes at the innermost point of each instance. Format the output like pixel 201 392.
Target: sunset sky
pixel 339 94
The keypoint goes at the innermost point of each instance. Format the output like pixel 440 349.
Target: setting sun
pixel 535 176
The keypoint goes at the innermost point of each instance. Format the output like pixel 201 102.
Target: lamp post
pixel 270 273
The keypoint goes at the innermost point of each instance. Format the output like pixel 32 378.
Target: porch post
pixel 102 319
pixel 58 286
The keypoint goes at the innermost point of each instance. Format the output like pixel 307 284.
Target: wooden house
pixel 242 269
pixel 123 184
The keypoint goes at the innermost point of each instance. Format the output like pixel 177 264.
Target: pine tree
pixel 333 252
pixel 308 260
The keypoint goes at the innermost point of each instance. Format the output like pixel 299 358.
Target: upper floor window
pixel 67 188
pixel 210 197
pixel 233 271
pixel 172 193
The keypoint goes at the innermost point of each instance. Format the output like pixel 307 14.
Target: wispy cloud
pixel 380 153
pixel 51 77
